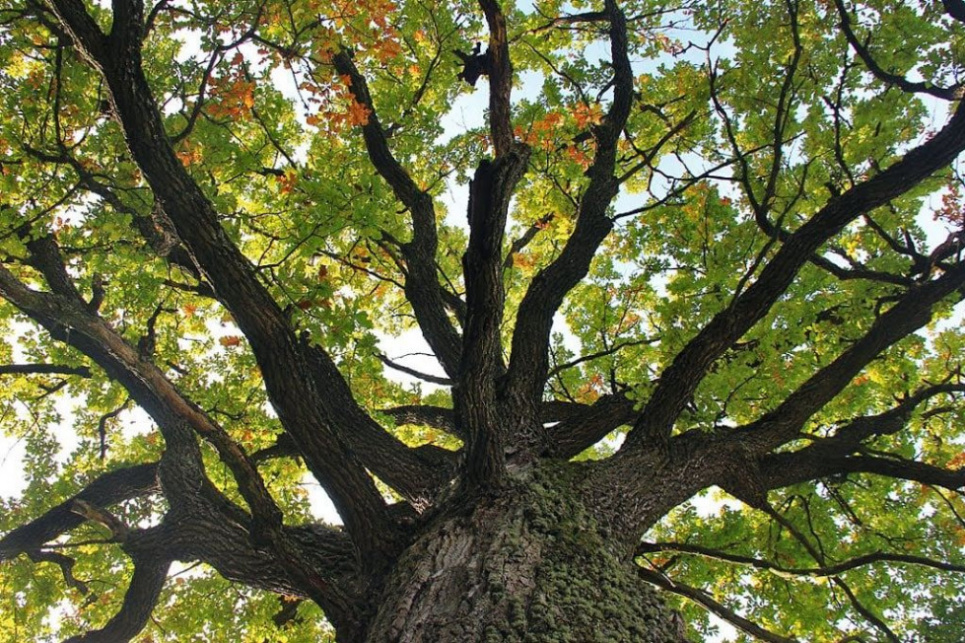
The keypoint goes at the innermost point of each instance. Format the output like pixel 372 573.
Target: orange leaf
pixel 587 114
pixel 957 462
pixel 388 50
pixel 358 114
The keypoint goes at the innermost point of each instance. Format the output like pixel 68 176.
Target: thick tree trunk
pixel 526 564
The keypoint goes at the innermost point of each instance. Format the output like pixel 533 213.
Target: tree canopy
pixel 700 260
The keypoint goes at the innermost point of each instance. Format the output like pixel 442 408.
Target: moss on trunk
pixel 524 565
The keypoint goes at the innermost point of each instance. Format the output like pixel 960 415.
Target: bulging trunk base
pixel 528 565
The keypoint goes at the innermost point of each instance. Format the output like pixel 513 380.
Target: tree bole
pixel 525 563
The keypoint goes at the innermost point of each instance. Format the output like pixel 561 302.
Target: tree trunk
pixel 524 564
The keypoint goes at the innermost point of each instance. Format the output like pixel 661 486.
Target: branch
pixel 316 562
pixel 576 426
pixel 435 379
pixel 207 527
pixel 312 561
pixel 83 29
pixel 737 465
pixel 857 271
pixel 500 79
pixel 911 312
pixel 181 472
pixel 681 378
pixel 435 416
pixel 891 421
pixel 817 553
pixel 601 353
pixel 422 289
pixel 68 318
pixel 816 572
pixel 955 8
pixel 155 229
pixel 284 447
pixel 106 490
pixel 955 92
pixel 810 463
pixel 782 115
pixel 705 600
pixel 870 616
pixel 490 193
pixel 319 412
pixel 587 425
pixel 88 511
pixel 139 601
pixel 127 24
pixel 288 612
pixel 102 425
pixel 44 369
pixel 529 362
pixel 66 564
pixel 519 244
pixel 405 470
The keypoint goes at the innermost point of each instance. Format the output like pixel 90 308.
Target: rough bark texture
pixel 526 564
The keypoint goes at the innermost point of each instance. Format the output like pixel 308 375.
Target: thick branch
pixel 82 28
pixel 489 196
pixel 811 463
pixel 734 460
pixel 211 529
pixel 850 436
pixel 145 382
pixel 682 377
pixel 955 8
pixel 910 313
pixel 107 490
pixel 181 472
pixel 529 361
pixel 587 425
pixel 309 407
pixel 142 594
pixel 574 426
pixel 422 288
pixel 500 79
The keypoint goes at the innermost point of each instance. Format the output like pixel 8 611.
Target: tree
pixel 694 343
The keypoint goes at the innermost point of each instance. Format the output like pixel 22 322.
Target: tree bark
pixel 525 564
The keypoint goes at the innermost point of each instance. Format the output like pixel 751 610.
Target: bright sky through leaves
pixel 661 251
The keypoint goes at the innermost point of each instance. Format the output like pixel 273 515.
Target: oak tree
pixel 685 273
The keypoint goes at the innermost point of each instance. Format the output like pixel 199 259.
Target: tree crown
pixel 681 250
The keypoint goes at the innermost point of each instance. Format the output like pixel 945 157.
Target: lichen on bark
pixel 526 564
